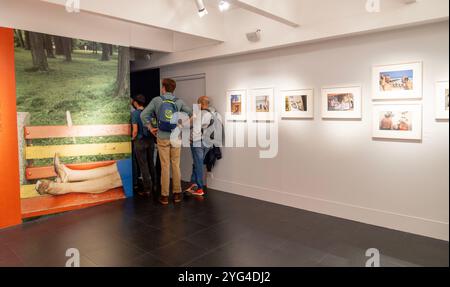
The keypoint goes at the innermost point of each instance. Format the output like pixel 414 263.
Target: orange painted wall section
pixel 10 211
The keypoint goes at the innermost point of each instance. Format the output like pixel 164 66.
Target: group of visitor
pixel 154 125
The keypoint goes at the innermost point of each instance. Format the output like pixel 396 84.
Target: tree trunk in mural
pixel 38 51
pixel 20 40
pixel 67 48
pixel 59 48
pixel 123 73
pixel 27 40
pixel 49 46
pixel 105 52
pixel 94 48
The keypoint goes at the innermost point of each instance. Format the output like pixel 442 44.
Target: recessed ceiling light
pixel 224 5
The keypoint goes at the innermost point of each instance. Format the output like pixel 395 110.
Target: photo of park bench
pixel 72 101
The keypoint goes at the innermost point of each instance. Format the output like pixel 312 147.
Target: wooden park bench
pixel 34 204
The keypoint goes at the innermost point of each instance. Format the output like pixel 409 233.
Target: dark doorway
pixel 146 83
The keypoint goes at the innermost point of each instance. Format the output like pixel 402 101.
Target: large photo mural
pixel 73 122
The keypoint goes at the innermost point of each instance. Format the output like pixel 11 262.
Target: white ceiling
pixel 173 27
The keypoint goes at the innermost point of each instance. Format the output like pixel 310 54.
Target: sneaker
pixel 198 192
pixel 164 200
pixel 192 188
pixel 177 197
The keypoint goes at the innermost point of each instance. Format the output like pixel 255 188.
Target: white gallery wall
pixel 334 166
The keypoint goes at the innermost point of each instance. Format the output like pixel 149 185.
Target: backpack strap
pixel 171 101
pixel 213 118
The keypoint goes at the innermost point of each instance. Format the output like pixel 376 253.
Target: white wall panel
pixel 335 167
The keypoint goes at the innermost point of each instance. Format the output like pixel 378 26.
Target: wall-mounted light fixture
pixel 201 9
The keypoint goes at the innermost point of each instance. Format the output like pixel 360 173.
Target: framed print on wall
pixel 297 104
pixel 397 82
pixel 342 102
pixel 442 101
pixel 237 105
pixel 397 121
pixel 262 104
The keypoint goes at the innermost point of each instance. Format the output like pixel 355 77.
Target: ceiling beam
pixel 173 15
pixel 25 15
pixel 268 8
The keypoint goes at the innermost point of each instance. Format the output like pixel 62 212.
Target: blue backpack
pixel 167 111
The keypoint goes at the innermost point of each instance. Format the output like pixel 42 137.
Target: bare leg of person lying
pixel 94 186
pixel 97 180
pixel 66 174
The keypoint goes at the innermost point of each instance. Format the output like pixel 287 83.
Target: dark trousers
pixel 136 171
pixel 145 149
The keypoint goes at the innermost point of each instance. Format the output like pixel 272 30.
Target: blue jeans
pixel 199 152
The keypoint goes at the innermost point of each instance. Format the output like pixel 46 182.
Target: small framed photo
pixel 442 101
pixel 397 121
pixel 342 102
pixel 397 82
pixel 237 105
pixel 262 104
pixel 297 104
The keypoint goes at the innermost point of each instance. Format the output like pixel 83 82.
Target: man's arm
pixel 135 131
pixel 134 125
pixel 186 109
pixel 147 113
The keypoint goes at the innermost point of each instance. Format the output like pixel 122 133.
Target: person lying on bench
pixel 97 180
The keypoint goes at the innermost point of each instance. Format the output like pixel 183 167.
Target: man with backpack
pixel 166 107
pixel 203 140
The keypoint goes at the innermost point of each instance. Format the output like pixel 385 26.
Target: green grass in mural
pixel 84 87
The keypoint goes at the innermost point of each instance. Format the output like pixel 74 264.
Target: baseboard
pixel 421 226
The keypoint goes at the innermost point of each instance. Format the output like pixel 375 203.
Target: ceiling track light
pixel 201 9
pixel 224 5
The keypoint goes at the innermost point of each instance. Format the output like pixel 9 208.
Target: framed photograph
pixel 342 102
pixel 262 104
pixel 297 104
pixel 237 105
pixel 442 101
pixel 397 121
pixel 397 82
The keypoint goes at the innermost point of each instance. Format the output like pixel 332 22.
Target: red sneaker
pixel 192 188
pixel 198 192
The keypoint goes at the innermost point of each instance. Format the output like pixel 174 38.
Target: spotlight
pixel 224 5
pixel 201 8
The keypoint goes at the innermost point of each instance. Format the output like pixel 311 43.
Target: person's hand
pixel 154 131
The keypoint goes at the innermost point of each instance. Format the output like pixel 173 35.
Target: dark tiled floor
pixel 223 230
